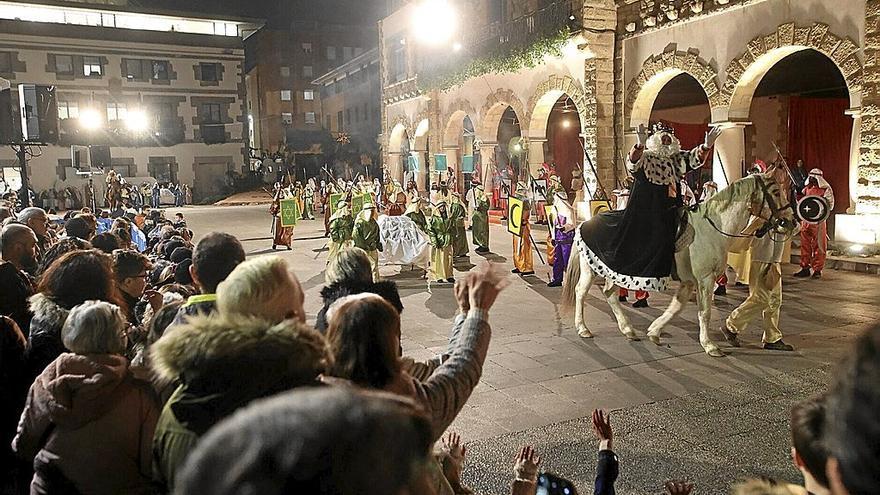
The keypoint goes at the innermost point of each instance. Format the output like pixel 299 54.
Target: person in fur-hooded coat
pixel 223 363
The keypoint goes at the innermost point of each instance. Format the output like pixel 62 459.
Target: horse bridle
pixel 776 222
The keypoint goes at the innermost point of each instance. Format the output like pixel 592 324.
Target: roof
pixel 134 9
pixel 363 60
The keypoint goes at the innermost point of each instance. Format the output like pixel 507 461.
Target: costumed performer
pixel 366 236
pixel 634 248
pixel 440 236
pixel 416 214
pixel 281 236
pixel 814 236
pixel 309 200
pixel 459 235
pixel 480 217
pixel 341 230
pixel 523 261
pixel 563 236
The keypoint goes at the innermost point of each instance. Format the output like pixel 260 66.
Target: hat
pixel 181 273
pixel 180 254
pixel 817 172
pixel 415 199
pixel 369 206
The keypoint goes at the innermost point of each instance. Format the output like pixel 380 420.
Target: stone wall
pixel 600 21
pixel 868 187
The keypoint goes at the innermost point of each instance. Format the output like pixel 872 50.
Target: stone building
pixel 529 80
pixel 181 75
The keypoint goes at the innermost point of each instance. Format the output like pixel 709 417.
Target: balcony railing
pixel 499 37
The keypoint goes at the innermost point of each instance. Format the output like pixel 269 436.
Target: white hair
pixel 95 327
pixel 30 213
pixel 349 266
pixel 255 288
pixel 655 144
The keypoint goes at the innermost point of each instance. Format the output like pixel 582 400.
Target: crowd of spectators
pixel 135 361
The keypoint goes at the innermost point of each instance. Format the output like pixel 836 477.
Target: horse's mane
pixel 739 191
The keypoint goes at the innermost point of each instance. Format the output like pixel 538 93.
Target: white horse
pixel 717 223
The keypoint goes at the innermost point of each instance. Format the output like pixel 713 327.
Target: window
pixel 165 113
pixel 68 109
pixel 331 53
pixel 328 120
pixel 357 114
pixel 397 67
pixel 285 95
pixel 307 71
pixel 134 69
pixel 308 95
pixel 366 112
pixel 161 70
pixel 346 52
pixel 211 113
pixel 116 111
pixel 92 66
pixel 210 72
pixel 311 118
pixel 285 71
pixel 307 47
pixel 347 116
pixel 287 118
pixel 64 65
pixel 358 50
pixel 5 62
pixel 339 120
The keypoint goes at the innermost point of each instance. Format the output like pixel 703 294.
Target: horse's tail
pixel 572 276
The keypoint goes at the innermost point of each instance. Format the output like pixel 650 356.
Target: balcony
pixel 498 46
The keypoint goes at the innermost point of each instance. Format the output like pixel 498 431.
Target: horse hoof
pixel 585 333
pixel 655 339
pixel 715 352
pixel 631 336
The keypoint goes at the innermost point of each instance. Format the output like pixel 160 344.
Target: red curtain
pixel 819 133
pixel 689 135
pixel 565 145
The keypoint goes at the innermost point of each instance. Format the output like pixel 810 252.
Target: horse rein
pixel 775 220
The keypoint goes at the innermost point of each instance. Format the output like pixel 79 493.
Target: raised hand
pixel 453 462
pixel 526 463
pixel 712 136
pixel 676 487
pixel 602 428
pixel 642 135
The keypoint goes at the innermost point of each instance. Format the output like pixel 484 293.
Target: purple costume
pixel 562 241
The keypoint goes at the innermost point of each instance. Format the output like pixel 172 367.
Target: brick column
pixel 868 188
pixel 599 82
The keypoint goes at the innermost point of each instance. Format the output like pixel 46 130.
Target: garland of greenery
pixel 518 58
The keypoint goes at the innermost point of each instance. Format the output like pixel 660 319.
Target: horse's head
pixel 770 201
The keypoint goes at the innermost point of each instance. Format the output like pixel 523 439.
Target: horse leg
pixel 704 301
pixel 581 291
pixel 678 302
pixel 611 292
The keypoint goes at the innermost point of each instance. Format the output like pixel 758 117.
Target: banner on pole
pixel 412 163
pixel 539 189
pixel 467 164
pixel 289 212
pixel 334 201
pixel 515 215
pixel 440 163
pixel 599 206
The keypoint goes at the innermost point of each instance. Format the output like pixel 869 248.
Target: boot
pixel 779 345
pixel 804 272
pixel 640 303
pixel 732 338
pixel 721 290
pixel 817 274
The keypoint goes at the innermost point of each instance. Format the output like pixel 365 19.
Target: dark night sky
pixel 356 11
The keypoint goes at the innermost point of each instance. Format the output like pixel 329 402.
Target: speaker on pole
pixel 39 113
pixel 99 156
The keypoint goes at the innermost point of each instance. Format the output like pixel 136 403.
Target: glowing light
pixel 137 121
pixel 566 123
pixel 90 119
pixel 434 21
pixel 856 248
pixel 456 46
pixel 517 147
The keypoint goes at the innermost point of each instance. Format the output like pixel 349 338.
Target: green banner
pixel 412 163
pixel 467 164
pixel 334 201
pixel 357 202
pixel 289 212
pixel 440 163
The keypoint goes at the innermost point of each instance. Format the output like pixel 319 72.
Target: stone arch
pixel 493 109
pixel 454 118
pixel 400 127
pixel 546 94
pixel 659 70
pixel 745 72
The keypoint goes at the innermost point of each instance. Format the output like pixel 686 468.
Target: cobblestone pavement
pixel 677 411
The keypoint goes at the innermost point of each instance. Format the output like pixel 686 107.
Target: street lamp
pixel 434 21
pixel 90 119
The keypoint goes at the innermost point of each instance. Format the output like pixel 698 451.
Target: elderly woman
pixel 351 272
pixel 364 337
pixel 86 395
pixel 264 288
pixel 74 278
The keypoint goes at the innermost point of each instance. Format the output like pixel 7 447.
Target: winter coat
pixel 16 289
pixel 88 423
pixel 331 293
pixel 44 340
pixel 222 366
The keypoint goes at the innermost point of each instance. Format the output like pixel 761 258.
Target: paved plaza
pixel 676 411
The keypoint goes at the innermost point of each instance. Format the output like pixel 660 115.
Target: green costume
pixel 457 213
pixel 480 220
pixel 415 213
pixel 367 237
pixel 440 236
pixel 341 227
